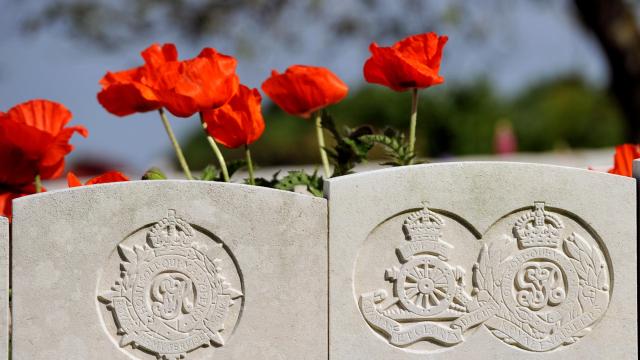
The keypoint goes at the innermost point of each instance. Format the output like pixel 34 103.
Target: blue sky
pixel 528 43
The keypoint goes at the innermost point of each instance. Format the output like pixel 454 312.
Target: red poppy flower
pixel 623 159
pixel 413 62
pixel 123 93
pixel 183 87
pixel 33 140
pixel 127 92
pixel 238 122
pixel 8 194
pixel 302 90
pixel 108 177
pixel 202 83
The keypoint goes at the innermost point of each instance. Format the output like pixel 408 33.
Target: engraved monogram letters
pixel 542 285
pixel 171 298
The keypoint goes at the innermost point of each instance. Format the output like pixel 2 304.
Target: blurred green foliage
pixel 453 119
pixel 566 113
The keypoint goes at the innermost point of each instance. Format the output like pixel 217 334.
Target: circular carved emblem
pixel 426 290
pixel 171 297
pixel 547 286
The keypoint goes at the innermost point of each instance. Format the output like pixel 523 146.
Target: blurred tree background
pixel 457 119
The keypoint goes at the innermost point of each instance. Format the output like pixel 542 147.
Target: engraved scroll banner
pixel 403 335
pixel 406 251
pixel 477 316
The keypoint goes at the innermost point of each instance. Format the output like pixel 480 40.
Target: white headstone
pixel 170 270
pixel 482 260
pixel 4 288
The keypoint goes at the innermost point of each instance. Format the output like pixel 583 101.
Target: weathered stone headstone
pixel 482 260
pixel 4 287
pixel 170 270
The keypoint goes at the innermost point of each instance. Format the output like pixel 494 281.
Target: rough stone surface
pixel 170 269
pixel 4 287
pixel 482 260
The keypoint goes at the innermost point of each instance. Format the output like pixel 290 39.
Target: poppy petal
pixel 44 115
pixel 239 122
pixel 156 55
pixel 7 195
pixel 123 93
pixel 623 159
pixel 52 163
pixel 108 177
pixel 205 82
pixel 302 90
pixel 35 141
pixel 72 180
pixel 6 198
pixel 411 63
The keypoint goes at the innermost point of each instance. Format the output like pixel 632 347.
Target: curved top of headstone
pixel 476 187
pixel 498 167
pixel 166 186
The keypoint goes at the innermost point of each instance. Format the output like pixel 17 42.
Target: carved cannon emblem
pixel 428 291
pixel 171 298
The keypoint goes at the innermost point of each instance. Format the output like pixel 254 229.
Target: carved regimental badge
pixel 428 292
pixel 171 297
pixel 541 280
pixel 541 288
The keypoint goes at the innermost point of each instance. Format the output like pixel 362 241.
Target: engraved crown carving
pixel 423 225
pixel 538 228
pixel 170 231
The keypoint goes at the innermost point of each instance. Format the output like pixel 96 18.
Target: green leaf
pixel 312 182
pixel 349 149
pixel 395 145
pixel 154 174
pixel 210 173
pixel 269 183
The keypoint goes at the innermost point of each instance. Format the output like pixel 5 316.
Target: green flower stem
pixel 252 180
pixel 176 146
pixel 414 120
pixel 38 183
pixel 216 151
pixel 323 153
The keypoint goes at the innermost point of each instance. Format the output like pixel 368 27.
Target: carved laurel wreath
pixel 586 260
